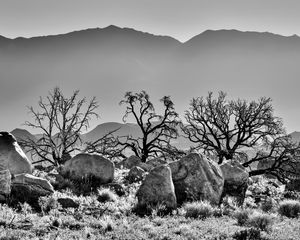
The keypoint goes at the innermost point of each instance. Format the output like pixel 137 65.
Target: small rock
pixel 135 174
pixel 67 203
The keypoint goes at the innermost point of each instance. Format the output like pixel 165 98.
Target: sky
pixel 181 19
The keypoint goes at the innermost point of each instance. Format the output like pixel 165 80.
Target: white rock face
pixel 12 156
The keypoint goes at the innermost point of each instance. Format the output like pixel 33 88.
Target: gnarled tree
pixel 156 130
pixel 61 121
pixel 227 127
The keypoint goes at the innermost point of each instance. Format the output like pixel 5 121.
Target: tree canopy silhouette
pixel 60 120
pixel 227 127
pixel 156 130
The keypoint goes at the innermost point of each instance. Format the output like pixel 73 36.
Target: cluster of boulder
pixel 16 179
pixel 193 177
pixel 18 184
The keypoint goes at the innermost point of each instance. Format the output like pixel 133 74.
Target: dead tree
pixel 227 127
pixel 156 130
pixel 61 121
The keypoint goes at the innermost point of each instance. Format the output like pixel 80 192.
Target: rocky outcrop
pixel 197 178
pixel 12 156
pixel 157 189
pixel 236 180
pixel 85 165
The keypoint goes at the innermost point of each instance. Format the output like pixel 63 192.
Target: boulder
pixel 29 179
pixel 67 203
pixel 28 188
pixel 85 165
pixel 235 180
pixel 130 162
pixel 135 174
pixel 152 163
pixel 195 177
pixel 5 182
pixel 12 156
pixel 157 188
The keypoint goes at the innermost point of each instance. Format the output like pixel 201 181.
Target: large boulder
pixel 12 156
pixel 236 180
pixel 28 188
pixel 157 189
pixel 85 165
pixel 197 178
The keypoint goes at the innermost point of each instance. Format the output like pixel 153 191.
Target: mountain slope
pixel 22 134
pixel 126 129
pixel 108 62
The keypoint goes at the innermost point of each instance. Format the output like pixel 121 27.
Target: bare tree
pixel 61 120
pixel 281 157
pixel 227 127
pixel 156 130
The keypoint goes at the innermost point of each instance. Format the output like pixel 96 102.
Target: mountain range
pixel 108 62
pixel 122 129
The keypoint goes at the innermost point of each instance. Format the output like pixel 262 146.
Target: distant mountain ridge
pixel 108 62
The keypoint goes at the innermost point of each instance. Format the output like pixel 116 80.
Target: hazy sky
pixel 180 19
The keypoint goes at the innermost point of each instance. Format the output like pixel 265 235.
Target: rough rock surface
pixel 152 163
pixel 236 180
pixel 5 182
pixel 85 165
pixel 28 188
pixel 197 178
pixel 157 188
pixel 12 156
pixel 135 174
